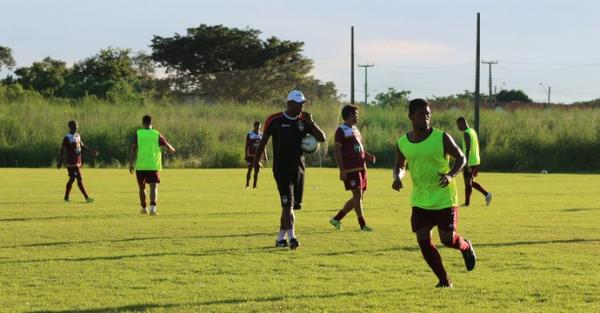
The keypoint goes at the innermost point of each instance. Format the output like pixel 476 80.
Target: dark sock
pixel 340 215
pixel 68 190
pixel 143 204
pixel 479 188
pixel 152 203
pixel 361 222
pixel 80 184
pixel 434 260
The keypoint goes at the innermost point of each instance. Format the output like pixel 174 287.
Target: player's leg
pixel 248 174
pixel 422 224
pixel 255 177
pixel 80 185
pixel 357 196
pixel 141 180
pixel 446 222
pixel 69 184
pixel 336 221
pixel 286 220
pixel 468 179
pixel 298 190
pixel 478 187
pixel 153 197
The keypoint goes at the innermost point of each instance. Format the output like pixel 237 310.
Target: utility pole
pixel 366 66
pixel 548 91
pixel 490 63
pixel 477 78
pixel 352 65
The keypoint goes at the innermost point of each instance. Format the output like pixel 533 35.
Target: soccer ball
pixel 544 172
pixel 309 144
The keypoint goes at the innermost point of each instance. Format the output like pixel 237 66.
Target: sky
pixel 426 46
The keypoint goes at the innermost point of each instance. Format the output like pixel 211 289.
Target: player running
pixel 287 129
pixel 434 198
pixel 470 147
pixel 350 156
pixel 72 146
pixel 252 141
pixel 145 153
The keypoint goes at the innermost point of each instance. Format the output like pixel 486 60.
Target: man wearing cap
pixel 287 129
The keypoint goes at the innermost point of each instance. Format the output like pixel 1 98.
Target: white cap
pixel 296 96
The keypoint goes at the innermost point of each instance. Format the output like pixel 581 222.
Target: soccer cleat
pixel 446 284
pixel 144 210
pixel 153 210
pixel 297 206
pixel 469 256
pixel 337 224
pixel 488 198
pixel 294 243
pixel 464 205
pixel 366 228
pixel 89 200
pixel 281 243
pixel 67 200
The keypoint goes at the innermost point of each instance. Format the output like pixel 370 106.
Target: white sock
pixel 281 235
pixel 291 234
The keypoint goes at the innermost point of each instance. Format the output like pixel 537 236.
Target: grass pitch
pixel 211 248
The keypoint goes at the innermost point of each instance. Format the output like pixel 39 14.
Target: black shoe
pixel 469 256
pixel 294 243
pixel 281 243
pixel 297 206
pixel 447 284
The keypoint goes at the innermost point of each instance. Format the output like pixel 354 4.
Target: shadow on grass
pixel 50 218
pixel 577 210
pixel 536 242
pixel 232 301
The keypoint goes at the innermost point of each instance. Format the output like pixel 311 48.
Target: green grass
pixel 211 249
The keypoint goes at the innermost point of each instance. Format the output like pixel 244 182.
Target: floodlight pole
pixel 477 79
pixel 352 65
pixel 366 66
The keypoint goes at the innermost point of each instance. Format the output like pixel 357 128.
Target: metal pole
pixel 352 65
pixel 366 66
pixel 490 63
pixel 477 79
pixel 549 88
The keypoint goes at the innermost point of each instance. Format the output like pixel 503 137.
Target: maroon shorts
pixel 74 172
pixel 147 177
pixel 474 170
pixel 445 219
pixel 356 180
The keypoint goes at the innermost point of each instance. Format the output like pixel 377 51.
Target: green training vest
pixel 148 150
pixel 473 157
pixel 425 160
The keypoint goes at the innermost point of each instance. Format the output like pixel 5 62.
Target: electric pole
pixel 490 63
pixel 366 66
pixel 352 65
pixel 477 78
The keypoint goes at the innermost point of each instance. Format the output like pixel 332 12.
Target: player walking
pixel 470 147
pixel 145 158
pixel 287 129
pixel 434 198
pixel 72 146
pixel 252 141
pixel 351 157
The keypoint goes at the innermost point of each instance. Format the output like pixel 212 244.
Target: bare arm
pixel 339 160
pixel 90 150
pixel 61 156
pixel 453 150
pixel 132 157
pixel 399 169
pixel 260 150
pixel 169 147
pixel 467 140
pixel 313 128
pixel 246 147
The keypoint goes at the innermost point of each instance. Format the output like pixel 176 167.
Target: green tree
pixel 46 77
pixel 392 98
pixel 6 58
pixel 231 63
pixel 513 95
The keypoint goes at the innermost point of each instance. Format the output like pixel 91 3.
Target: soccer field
pixel 212 247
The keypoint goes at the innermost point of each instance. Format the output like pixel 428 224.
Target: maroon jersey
pixel 353 152
pixel 72 144
pixel 252 141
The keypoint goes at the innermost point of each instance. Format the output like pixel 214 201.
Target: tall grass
pixel 212 135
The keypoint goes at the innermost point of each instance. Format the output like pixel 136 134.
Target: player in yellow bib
pixel 470 147
pixel 434 198
pixel 146 160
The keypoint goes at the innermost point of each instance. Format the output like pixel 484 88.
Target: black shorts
pixel 74 172
pixel 445 219
pixel 290 187
pixel 147 177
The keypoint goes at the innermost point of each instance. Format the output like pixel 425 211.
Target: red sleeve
pixel 267 129
pixel 339 136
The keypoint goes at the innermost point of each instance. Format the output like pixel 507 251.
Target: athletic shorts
pixel 474 171
pixel 74 172
pixel 445 219
pixel 356 180
pixel 147 177
pixel 290 187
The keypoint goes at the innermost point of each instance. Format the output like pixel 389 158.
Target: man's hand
pixel 94 153
pixel 445 179
pixel 397 185
pixel 131 168
pixel 58 165
pixel 343 176
pixel 308 117
pixel 371 158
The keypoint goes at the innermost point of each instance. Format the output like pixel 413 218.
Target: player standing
pixel 287 129
pixel 252 141
pixel 351 157
pixel 434 198
pixel 470 147
pixel 145 153
pixel 72 146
